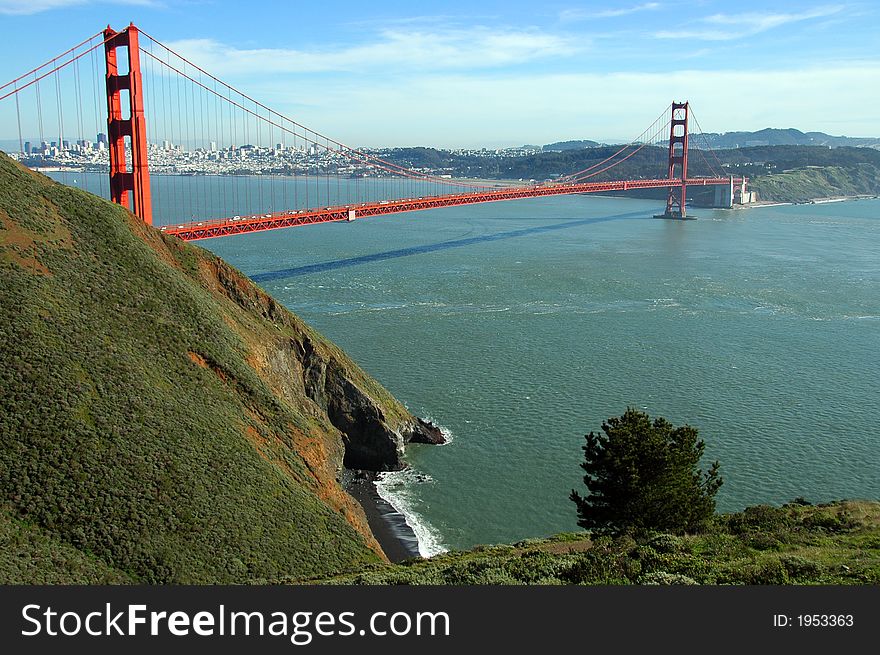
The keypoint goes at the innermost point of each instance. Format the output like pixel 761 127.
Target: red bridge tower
pixel 678 155
pixel 137 180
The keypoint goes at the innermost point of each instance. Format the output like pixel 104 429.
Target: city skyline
pixel 497 75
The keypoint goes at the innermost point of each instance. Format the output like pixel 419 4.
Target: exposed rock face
pixel 370 442
pixel 426 432
pixel 373 426
pixel 162 418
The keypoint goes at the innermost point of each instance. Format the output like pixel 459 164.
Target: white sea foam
pixel 666 303
pixel 396 488
pixel 385 307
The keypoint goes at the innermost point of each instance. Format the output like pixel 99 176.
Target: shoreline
pixel 389 527
pixel 812 201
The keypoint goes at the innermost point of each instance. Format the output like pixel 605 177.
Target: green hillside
pixel 781 173
pixel 161 418
pixel 803 184
pixel 164 420
pixel 836 543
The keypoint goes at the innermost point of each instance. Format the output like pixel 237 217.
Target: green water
pixel 761 327
pixel 520 326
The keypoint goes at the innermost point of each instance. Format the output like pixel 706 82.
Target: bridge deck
pixel 278 220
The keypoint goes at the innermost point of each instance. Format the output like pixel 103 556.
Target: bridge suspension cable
pixel 202 158
pixel 315 137
pixel 651 136
pixel 716 172
pixel 50 104
pixel 74 55
pixel 231 124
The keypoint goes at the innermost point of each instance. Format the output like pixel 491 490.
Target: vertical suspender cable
pixel 247 138
pixel 273 161
pixel 296 160
pixel 79 116
pixel 104 181
pixel 307 165
pixel 60 110
pixel 18 117
pixel 232 155
pixel 173 172
pixel 286 171
pixel 186 182
pixel 221 142
pixel 259 145
pixel 39 111
pixel 147 77
pixel 160 143
pixel 204 133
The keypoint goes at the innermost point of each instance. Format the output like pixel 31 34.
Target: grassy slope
pixel 142 436
pixel 805 184
pixel 32 555
pixel 838 543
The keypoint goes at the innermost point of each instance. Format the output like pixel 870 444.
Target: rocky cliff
pixel 374 427
pixel 162 419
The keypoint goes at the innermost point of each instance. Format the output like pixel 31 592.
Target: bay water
pixel 521 326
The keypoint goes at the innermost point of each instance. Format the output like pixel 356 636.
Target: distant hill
pixel 766 137
pixel 775 171
pixel 570 145
pixel 779 137
pixel 162 419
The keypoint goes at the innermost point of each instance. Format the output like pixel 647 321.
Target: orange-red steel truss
pixel 293 218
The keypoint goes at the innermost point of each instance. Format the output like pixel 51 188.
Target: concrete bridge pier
pixel 724 195
pixel 733 194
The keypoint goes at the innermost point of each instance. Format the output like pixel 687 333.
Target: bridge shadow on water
pixel 322 267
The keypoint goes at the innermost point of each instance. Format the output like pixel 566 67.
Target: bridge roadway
pixel 257 223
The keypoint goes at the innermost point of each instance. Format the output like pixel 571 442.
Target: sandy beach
pixel 387 524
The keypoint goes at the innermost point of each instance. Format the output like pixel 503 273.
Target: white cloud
pixel 394 50
pixel 727 27
pixel 569 15
pixel 26 7
pixel 487 110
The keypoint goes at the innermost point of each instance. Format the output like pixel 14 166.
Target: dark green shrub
pixel 760 518
pixel 644 475
pixel 667 543
pixel 831 521
pixel 799 567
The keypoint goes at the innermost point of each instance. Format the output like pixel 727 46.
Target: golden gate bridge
pixel 155 100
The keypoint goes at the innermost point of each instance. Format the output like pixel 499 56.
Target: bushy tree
pixel 644 475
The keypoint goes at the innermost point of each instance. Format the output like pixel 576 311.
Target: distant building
pixel 27 147
pixel 102 138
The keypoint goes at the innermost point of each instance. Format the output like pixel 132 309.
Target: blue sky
pixel 485 73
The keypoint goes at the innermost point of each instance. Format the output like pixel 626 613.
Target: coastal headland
pixel 160 394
